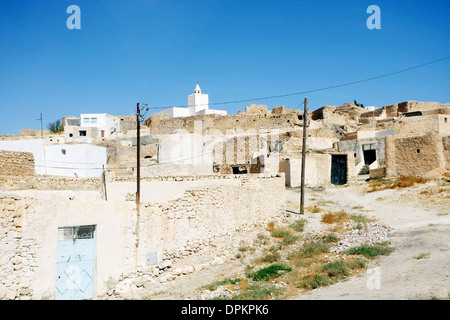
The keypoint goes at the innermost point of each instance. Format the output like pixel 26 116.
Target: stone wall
pixel 40 182
pixel 16 163
pixel 421 125
pixel 176 215
pixel 211 124
pixel 414 156
pixel 446 143
pixel 18 250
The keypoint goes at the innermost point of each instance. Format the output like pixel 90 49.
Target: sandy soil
pixel 419 268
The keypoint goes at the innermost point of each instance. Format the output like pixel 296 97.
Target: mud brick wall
pixel 414 156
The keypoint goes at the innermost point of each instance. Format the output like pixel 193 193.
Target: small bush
pixel 314 248
pixel 360 218
pixel 356 264
pixel 298 225
pixel 337 269
pixel 216 284
pixel 270 257
pixel 330 238
pixel 319 280
pixel 242 248
pixel 333 217
pixel 270 226
pixel 255 292
pixel 369 251
pixel 280 233
pixel 289 239
pixel 270 272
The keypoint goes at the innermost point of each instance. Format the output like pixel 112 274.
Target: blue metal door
pixel 75 263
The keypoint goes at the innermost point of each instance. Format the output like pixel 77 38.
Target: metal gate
pixel 338 169
pixel 75 263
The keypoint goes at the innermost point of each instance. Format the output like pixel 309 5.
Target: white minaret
pixel 198 102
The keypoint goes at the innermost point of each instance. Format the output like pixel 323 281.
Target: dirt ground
pixel 418 268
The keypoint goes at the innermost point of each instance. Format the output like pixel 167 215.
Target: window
pixel 63 151
pixel 82 133
pixel 369 146
pixel 418 150
pixel 93 120
pixel 86 120
pixel 70 135
pixel 445 120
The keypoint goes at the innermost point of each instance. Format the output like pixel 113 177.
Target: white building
pixel 75 160
pixel 198 103
pixel 90 127
pixel 78 160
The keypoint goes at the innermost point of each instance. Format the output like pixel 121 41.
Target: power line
pixel 322 88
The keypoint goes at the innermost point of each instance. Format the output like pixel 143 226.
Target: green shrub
pixel 369 251
pixel 216 284
pixel 337 269
pixel 330 238
pixel 298 225
pixel 255 292
pixel 289 239
pixel 270 257
pixel 356 264
pixel 319 280
pixel 280 233
pixel 270 272
pixel 314 248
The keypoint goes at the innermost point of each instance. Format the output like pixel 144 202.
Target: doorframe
pixel 94 249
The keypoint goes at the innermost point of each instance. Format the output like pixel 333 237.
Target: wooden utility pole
pixel 104 182
pixel 138 176
pixel 302 186
pixel 138 155
pixel 42 134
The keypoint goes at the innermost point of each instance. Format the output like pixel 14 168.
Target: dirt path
pixel 419 268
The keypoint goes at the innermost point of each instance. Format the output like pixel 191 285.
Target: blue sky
pixel 155 51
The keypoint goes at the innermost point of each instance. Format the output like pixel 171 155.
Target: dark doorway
pixel 369 156
pixel 338 169
pixel 370 153
pixel 239 170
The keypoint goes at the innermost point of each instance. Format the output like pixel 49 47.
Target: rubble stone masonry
pixel 16 163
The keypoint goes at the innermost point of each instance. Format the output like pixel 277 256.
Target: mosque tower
pixel 198 102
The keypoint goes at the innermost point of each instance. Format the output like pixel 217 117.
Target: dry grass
pixel 401 182
pixel 335 217
pixel 270 226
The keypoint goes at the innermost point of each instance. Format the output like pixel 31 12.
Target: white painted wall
pixel 174 112
pixel 82 160
pixel 198 102
pixel 104 122
pixel 79 160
